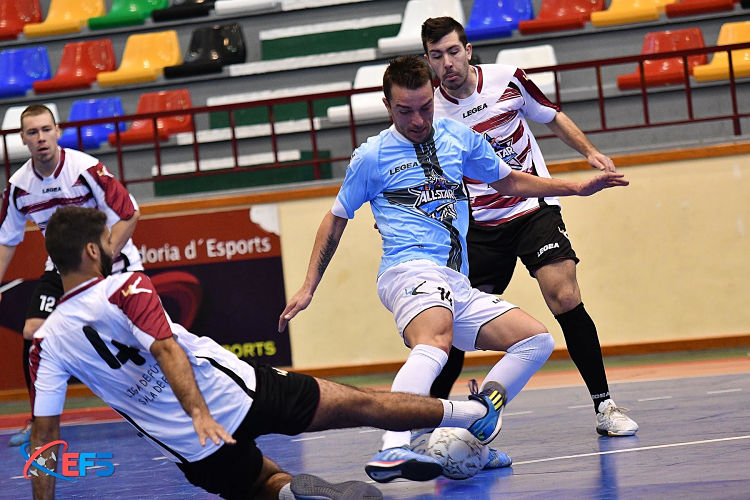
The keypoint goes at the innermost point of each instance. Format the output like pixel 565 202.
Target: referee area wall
pixel 663 263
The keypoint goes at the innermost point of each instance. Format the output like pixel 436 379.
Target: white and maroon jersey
pixel 502 101
pixel 79 180
pixel 101 331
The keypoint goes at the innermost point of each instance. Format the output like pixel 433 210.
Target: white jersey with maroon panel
pixel 502 101
pixel 101 333
pixel 79 180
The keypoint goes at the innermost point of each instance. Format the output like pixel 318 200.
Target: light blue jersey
pixel 416 191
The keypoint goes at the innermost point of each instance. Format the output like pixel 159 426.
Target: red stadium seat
pixel 559 15
pixel 691 7
pixel 142 131
pixel 15 14
pixel 667 71
pixel 79 65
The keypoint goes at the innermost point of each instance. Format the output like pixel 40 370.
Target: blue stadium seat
pixel 20 68
pixel 92 136
pixel 493 19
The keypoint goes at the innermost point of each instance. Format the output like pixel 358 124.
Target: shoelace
pixel 473 386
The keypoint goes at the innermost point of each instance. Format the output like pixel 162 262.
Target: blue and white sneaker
pixel 22 436
pixel 497 460
pixel 309 487
pixel 401 462
pixel 493 396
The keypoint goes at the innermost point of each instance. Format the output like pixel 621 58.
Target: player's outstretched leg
pixel 395 463
pixel 309 487
pixel 493 396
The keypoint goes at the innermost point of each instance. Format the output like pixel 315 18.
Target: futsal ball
pixel 460 453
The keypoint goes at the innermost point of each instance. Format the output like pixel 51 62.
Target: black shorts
pixel 284 403
pixel 538 238
pixel 46 294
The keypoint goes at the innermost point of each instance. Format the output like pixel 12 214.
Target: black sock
pixel 26 373
pixel 441 387
pixel 584 349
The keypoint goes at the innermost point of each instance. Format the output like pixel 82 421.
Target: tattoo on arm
pixel 326 253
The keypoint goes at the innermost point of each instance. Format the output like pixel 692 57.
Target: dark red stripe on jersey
pixel 495 121
pixel 35 355
pixel 521 157
pixel 60 165
pixel 55 202
pixel 472 181
pixel 496 200
pixel 78 290
pixel 519 132
pixel 4 204
pixel 138 300
pixel 480 79
pixel 510 93
pixel 447 96
pixel 115 194
pixel 497 222
pixel 534 91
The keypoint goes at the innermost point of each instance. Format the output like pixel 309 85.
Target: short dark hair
pixel 35 110
pixel 68 232
pixel 410 72
pixel 436 28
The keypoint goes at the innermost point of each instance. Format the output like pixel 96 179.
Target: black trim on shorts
pixel 236 378
pixel 144 433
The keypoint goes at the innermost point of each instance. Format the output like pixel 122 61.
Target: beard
pixel 105 265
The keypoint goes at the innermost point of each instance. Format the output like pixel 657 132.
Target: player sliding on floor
pixel 204 407
pixel 412 176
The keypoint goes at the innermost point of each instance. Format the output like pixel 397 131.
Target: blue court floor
pixel 694 443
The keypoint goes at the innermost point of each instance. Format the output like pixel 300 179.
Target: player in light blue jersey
pixel 411 174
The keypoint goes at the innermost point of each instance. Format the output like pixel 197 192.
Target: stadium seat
pixel 12 120
pixel 183 10
pixel 629 11
pixel 558 15
pixel 142 131
pixel 533 57
pixel 127 13
pixel 718 68
pixel 92 136
pixel 692 7
pixel 210 50
pixel 667 71
pixel 79 65
pixel 409 38
pixel 234 7
pixel 366 107
pixel 144 59
pixel 20 68
pixel 15 14
pixel 65 16
pixel 493 19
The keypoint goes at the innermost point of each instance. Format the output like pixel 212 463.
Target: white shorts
pixel 411 287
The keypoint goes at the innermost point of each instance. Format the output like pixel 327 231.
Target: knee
pixel 564 299
pixel 545 343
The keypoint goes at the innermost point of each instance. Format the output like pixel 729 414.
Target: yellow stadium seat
pixel 65 16
pixel 629 11
pixel 718 68
pixel 144 59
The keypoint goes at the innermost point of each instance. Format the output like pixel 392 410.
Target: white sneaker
pixel 611 420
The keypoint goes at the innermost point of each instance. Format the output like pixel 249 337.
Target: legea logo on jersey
pixel 71 465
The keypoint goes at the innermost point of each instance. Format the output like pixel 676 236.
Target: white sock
pixel 520 362
pixel 416 376
pixel 461 413
pixel 286 492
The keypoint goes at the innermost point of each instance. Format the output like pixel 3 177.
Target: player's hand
pixel 298 302
pixel 208 428
pixel 602 181
pixel 602 162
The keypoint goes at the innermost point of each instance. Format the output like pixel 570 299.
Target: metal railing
pixel 316 126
